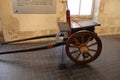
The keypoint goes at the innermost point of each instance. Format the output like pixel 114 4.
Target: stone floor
pixel 43 65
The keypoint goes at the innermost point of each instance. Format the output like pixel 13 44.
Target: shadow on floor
pixel 43 65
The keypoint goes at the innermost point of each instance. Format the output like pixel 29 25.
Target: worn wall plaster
pixel 109 17
pixel 11 27
pixel 0 25
pixel 18 26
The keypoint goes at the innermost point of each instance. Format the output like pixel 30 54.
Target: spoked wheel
pixel 83 47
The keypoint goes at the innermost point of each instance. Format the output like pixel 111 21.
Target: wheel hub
pixel 83 48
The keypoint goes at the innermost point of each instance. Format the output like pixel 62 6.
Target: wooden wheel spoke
pixel 88 40
pixel 77 41
pixel 74 51
pixel 92 44
pixel 74 46
pixel 93 50
pixel 83 39
pixel 77 56
pixel 90 55
pixel 83 58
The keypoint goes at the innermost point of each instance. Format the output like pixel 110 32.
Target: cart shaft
pixel 34 49
pixel 32 38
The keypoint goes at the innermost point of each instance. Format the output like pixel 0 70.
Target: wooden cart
pixel 82 43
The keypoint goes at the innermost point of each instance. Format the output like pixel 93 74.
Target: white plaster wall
pixel 18 26
pixel 96 9
pixel 109 17
pixel 0 25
